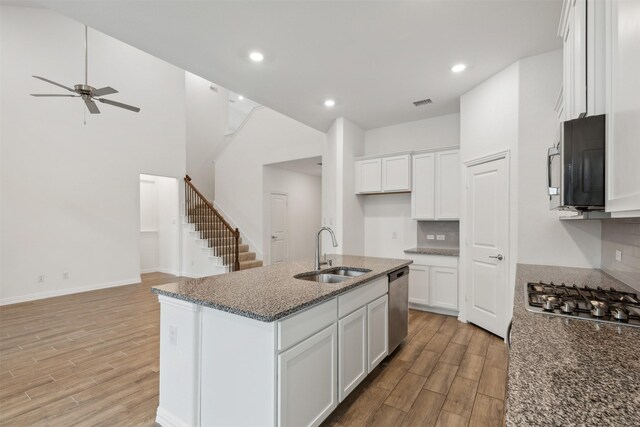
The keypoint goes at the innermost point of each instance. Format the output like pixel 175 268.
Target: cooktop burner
pixel 606 305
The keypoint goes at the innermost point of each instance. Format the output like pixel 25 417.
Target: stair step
pixel 245 265
pixel 247 256
pixel 219 241
pixel 241 248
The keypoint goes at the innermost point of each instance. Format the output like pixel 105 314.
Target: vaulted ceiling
pixel 373 58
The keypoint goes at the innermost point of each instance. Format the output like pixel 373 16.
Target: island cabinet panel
pixel 302 325
pixel 378 331
pixel 361 296
pixel 307 380
pixel 352 351
pixel 238 371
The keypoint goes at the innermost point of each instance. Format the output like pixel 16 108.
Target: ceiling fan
pixel 88 93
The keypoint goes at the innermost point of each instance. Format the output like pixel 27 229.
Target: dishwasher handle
pixel 395 275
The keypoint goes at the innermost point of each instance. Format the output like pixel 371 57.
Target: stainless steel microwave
pixel 576 166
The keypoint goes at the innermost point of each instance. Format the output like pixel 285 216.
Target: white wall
pixel 389 215
pixel 304 210
pixel 267 137
pixel 70 195
pixel 435 132
pixel 206 121
pixel 352 205
pixel 542 238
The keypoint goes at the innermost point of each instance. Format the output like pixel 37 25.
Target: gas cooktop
pixel 585 303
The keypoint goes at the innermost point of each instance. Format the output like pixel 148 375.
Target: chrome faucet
pixel 335 244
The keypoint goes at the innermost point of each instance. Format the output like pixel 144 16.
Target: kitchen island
pixel 261 348
pixel 570 372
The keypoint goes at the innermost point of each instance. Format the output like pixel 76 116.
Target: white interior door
pixel 487 245
pixel 278 228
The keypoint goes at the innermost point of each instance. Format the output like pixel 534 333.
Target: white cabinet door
pixel 352 351
pixel 623 126
pixel 419 284
pixel 368 176
pixel 443 287
pixel 423 191
pixel 447 193
pixel 307 380
pixel 574 35
pixel 396 173
pixel 378 331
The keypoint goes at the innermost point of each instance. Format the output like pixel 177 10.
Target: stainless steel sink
pixel 333 275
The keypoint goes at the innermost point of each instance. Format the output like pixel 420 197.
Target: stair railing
pixel 219 233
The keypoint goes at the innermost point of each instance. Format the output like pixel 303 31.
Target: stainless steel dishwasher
pixel 398 307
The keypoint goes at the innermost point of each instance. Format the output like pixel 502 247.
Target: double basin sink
pixel 332 275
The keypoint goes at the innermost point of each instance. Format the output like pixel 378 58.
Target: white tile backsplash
pixel 623 236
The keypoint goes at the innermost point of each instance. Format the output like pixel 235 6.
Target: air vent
pixel 423 102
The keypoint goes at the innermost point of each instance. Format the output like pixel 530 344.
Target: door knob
pixel 499 257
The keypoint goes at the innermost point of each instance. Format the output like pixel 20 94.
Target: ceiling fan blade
pixel 92 107
pixel 118 104
pixel 104 91
pixel 42 94
pixel 54 83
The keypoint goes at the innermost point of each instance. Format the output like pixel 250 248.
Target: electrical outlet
pixel 430 237
pixel 440 236
pixel 618 255
pixel 65 275
pixel 394 235
pixel 173 335
pixel 41 279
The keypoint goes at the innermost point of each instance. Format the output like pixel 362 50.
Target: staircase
pixel 223 241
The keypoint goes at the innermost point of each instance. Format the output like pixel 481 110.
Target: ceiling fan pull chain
pixel 86 57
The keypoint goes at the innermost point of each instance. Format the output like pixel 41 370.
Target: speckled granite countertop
pixel 570 372
pixel 271 293
pixel 433 251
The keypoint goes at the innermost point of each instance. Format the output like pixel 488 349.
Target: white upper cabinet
pixel 423 196
pixel 368 176
pixel 573 30
pixel 448 184
pixel 391 174
pixel 436 186
pixel 623 108
pixel 396 173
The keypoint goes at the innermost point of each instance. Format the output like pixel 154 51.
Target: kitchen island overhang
pixel 259 347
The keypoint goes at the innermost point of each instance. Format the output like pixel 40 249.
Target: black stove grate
pixel 608 305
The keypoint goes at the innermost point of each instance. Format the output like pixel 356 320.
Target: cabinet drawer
pixel 302 325
pixel 360 297
pixel 434 260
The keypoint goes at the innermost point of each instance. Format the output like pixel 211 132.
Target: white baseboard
pixel 149 270
pixel 67 291
pixel 436 310
pixel 166 419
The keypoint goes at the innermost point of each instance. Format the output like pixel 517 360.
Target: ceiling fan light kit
pixel 89 94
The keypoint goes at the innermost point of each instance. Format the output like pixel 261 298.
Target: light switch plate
pixel 440 236
pixel 618 255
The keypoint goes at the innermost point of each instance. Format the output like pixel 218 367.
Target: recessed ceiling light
pixel 329 103
pixel 458 68
pixel 240 97
pixel 256 56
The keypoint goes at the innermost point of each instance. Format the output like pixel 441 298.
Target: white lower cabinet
pixel 378 331
pixel 433 283
pixel 419 284
pixel 443 287
pixel 352 351
pixel 307 373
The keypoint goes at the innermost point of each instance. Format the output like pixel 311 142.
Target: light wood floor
pixel 92 359
pixel 83 359
pixel 446 373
